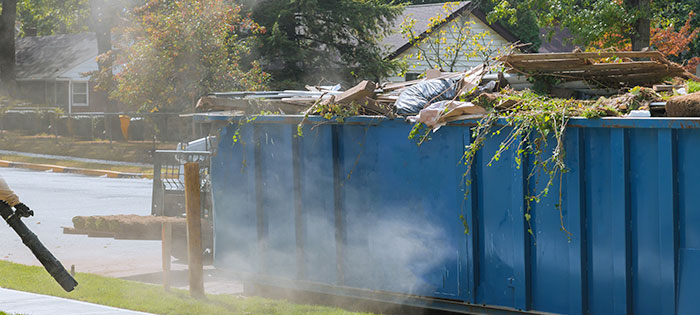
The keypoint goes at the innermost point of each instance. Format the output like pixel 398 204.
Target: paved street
pixel 56 198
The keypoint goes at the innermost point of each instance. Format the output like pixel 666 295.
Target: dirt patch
pixel 684 106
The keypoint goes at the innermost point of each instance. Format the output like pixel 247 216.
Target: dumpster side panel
pixel 688 147
pixel 502 239
pixel 276 189
pixel 644 182
pixel 318 229
pixel 398 200
pixel 553 282
pixel 233 192
pixel 689 198
pixel 357 205
pixel 600 224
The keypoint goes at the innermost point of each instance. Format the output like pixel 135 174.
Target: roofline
pixel 478 13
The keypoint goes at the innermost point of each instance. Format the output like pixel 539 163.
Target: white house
pixel 498 37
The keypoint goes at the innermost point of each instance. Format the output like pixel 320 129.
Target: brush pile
pixel 596 83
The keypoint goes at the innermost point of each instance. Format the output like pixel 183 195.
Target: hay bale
pixel 133 225
pixel 684 106
pixel 79 222
pixel 90 223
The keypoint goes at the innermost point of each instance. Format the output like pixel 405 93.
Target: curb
pixel 74 170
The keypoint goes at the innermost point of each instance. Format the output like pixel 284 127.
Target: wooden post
pixel 194 229
pixel 167 237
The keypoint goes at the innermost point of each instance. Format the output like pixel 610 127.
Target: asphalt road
pixel 56 198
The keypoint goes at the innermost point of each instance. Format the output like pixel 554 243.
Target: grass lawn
pixel 146 297
pixel 132 151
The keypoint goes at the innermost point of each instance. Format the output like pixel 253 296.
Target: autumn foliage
pixel 669 41
pixel 171 52
pixel 673 43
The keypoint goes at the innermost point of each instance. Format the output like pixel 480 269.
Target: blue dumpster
pixel 357 209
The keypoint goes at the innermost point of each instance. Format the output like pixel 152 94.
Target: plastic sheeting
pixel 418 96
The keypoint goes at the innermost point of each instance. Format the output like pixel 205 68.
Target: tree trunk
pixel 102 27
pixel 7 45
pixel 641 35
pixel 101 23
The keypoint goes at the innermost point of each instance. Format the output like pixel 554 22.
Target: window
pixel 80 93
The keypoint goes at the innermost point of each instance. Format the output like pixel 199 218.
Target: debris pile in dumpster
pixel 597 84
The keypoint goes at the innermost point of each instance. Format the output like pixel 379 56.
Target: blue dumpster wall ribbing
pixel 358 205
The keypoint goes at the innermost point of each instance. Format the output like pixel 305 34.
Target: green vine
pixel 331 111
pixel 530 123
pixel 242 121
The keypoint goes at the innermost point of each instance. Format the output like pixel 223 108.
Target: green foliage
pixel 693 86
pixel 51 17
pixel 522 23
pixel 589 21
pixel 419 133
pixel 313 41
pixel 331 111
pixel 170 53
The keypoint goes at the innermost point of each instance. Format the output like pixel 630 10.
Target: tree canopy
pixel 49 17
pixel 307 41
pixel 589 21
pixel 171 52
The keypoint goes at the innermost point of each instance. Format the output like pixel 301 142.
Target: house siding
pixel 57 93
pixel 463 63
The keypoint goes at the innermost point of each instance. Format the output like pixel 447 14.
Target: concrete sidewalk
pixel 18 302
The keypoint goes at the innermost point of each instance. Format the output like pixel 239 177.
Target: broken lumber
pixel 433 74
pixel 356 93
pixel 583 55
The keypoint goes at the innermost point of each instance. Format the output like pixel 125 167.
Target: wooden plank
pixel 358 92
pixel 666 87
pixel 556 67
pixel 547 63
pixel 372 106
pixel 584 55
pixel 166 245
pixel 433 74
pixel 70 230
pixel 98 234
pixel 194 229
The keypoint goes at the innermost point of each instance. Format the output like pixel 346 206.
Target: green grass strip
pixel 146 297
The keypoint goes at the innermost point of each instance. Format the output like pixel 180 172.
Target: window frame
pixel 73 93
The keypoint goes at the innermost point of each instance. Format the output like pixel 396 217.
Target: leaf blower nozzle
pixel 50 263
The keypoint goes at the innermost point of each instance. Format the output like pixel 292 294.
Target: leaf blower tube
pixel 52 265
